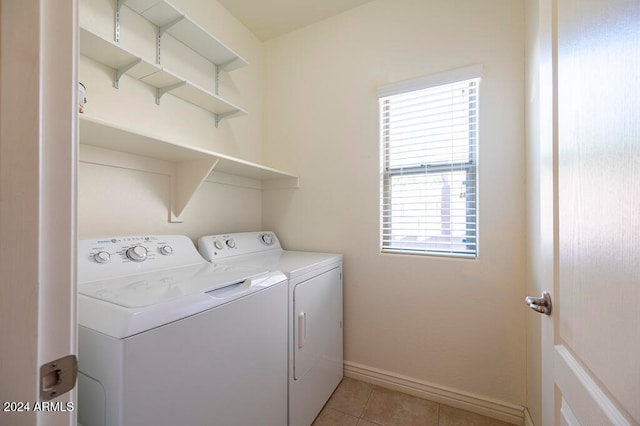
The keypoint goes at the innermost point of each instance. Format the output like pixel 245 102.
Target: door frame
pixel 38 169
pixel 548 195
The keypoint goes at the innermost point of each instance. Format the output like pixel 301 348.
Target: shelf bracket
pixel 161 30
pixel 188 176
pixel 161 91
pixel 121 71
pixel 220 117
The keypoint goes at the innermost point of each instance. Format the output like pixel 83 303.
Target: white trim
pixel 568 416
pixel 488 407
pixel 528 421
pixel 446 77
pixel 580 390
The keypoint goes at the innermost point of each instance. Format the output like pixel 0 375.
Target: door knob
pixel 540 304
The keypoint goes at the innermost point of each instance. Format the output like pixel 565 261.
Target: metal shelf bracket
pixel 220 117
pixel 123 70
pixel 163 90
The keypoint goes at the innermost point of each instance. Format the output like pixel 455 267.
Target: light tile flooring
pixel 356 403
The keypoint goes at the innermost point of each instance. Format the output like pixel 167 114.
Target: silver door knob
pixel 540 304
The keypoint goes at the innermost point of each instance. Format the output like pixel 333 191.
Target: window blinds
pixel 429 161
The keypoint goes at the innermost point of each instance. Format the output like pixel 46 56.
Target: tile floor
pixel 356 403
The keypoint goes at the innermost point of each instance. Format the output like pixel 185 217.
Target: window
pixel 429 181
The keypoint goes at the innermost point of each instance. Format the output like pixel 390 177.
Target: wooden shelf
pixel 170 20
pixel 191 165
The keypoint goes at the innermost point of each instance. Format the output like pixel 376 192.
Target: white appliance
pixel 166 338
pixel 315 312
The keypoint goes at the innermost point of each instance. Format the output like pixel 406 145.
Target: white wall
pixel 116 201
pixel 455 324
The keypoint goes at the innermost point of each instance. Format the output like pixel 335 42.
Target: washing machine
pixel 314 312
pixel 166 338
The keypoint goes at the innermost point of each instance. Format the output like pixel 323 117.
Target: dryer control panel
pixel 228 245
pixel 110 257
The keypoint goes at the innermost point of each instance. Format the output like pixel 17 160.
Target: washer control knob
pixel 231 243
pixel 166 250
pixel 266 239
pixel 137 253
pixel 102 257
pixel 218 244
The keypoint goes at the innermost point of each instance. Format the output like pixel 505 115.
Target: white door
pixel 318 327
pixel 37 204
pixel 591 367
pixel 317 345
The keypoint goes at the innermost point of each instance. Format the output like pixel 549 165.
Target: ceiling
pixel 270 18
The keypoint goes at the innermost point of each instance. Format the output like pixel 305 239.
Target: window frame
pixel 470 167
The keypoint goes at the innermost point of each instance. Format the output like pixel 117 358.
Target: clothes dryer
pixel 315 312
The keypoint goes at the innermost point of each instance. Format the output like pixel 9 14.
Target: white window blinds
pixel 429 165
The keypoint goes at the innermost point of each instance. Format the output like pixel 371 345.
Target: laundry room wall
pixel 131 195
pixel 450 328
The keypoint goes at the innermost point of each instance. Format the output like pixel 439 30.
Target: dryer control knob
pixel 231 243
pixel 137 253
pixel 166 250
pixel 218 244
pixel 102 257
pixel 266 239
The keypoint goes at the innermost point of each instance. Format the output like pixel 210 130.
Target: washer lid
pixel 120 322
pixel 143 290
pixel 135 291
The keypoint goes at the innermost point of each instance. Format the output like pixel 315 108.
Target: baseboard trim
pixel 528 421
pixel 499 410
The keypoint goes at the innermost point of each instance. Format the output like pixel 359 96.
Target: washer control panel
pixel 228 245
pixel 117 256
